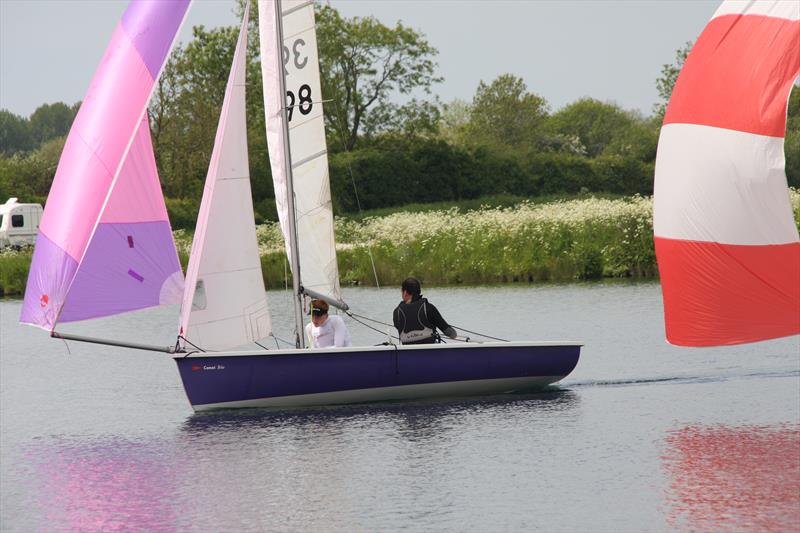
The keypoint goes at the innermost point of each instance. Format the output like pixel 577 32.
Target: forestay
pixel 105 245
pixel 725 236
pixel 309 160
pixel 225 303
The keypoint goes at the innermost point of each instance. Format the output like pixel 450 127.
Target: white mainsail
pixel 225 304
pixel 312 196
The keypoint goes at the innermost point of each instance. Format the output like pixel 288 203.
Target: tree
pixel 505 113
pixel 669 75
pixel 28 175
pixel 52 120
pixel 47 122
pixel 362 64
pixel 791 145
pixel 186 107
pixel 454 121
pixel 185 111
pixel 603 128
pixel 413 120
pixel 15 133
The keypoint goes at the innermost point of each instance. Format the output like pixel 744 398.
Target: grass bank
pixel 563 240
pixel 559 240
pixel 14 267
pixel 583 238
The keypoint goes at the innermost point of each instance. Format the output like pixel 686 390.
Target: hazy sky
pixel 609 50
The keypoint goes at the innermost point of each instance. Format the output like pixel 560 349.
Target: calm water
pixel 642 436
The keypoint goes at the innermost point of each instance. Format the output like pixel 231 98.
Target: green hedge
pixel 436 171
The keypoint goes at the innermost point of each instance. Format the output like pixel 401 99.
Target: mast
pixel 294 258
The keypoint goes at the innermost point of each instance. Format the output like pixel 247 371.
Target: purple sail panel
pixel 47 283
pixel 151 25
pixel 116 277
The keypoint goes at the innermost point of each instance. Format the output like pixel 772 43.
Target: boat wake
pixel 681 380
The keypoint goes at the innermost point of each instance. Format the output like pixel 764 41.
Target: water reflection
pixel 352 467
pixel 418 418
pixel 106 486
pixel 741 478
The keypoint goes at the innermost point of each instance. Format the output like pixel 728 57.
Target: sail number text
pixel 304 104
pixel 299 60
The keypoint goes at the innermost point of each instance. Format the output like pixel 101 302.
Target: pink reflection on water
pixel 108 487
pixel 734 478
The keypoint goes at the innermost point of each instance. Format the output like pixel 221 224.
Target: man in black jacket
pixel 416 319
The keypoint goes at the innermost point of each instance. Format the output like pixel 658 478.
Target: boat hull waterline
pixel 292 378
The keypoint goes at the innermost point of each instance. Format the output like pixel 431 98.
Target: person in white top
pixel 326 331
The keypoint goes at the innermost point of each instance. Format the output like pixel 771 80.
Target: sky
pixel 562 49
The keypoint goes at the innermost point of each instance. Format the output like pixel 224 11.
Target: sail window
pixel 199 300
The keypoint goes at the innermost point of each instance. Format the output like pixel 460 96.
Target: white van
pixel 19 223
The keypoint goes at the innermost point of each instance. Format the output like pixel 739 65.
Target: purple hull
pixel 347 375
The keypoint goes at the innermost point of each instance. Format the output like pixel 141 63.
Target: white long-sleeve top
pixel 333 332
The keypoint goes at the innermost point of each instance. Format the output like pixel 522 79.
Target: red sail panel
pixel 720 294
pixel 726 241
pixel 738 75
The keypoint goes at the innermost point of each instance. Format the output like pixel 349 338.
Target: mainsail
pixel 225 303
pixel 725 236
pixel 312 196
pixel 105 244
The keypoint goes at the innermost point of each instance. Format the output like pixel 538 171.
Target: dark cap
pixel 318 308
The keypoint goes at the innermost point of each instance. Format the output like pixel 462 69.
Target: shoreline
pixel 561 241
pixel 537 284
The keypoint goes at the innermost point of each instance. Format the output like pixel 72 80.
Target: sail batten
pixel 726 241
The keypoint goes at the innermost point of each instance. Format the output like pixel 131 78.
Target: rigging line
pixel 311 102
pixel 466 339
pixel 187 341
pixel 259 344
pixel 461 339
pixel 370 319
pixel 370 327
pixel 279 339
pixel 374 329
pixel 285 276
pixel 66 345
pixel 355 190
pixel 481 334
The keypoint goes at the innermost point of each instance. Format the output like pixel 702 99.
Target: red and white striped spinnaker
pixel 726 240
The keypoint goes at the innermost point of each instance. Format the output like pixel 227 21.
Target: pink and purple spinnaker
pixel 105 244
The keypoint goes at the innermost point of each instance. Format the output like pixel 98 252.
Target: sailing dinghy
pixel 726 241
pixel 224 306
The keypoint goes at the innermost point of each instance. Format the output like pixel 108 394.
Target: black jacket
pixel 416 322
